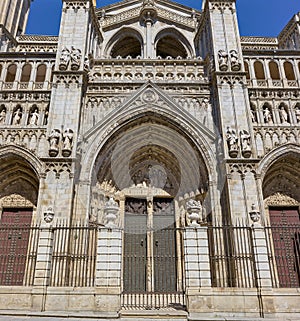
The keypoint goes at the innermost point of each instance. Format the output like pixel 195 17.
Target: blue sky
pixel 256 17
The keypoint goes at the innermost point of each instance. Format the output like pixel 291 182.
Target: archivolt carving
pixel 15 200
pixel 280 199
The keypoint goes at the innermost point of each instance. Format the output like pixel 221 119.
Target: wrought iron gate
pixel 152 270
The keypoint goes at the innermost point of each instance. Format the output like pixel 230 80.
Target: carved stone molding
pixel 222 6
pixel 76 5
pixel 58 168
pixel 280 199
pixel 231 80
pixel 242 168
pixel 15 200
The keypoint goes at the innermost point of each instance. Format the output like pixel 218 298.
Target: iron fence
pixel 231 256
pixel 74 256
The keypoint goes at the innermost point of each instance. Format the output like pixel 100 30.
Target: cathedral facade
pixel 150 161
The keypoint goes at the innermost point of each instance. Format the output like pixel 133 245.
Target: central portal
pixel 150 252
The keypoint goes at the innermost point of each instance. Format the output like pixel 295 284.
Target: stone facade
pixel 134 106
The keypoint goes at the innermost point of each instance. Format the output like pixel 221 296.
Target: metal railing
pixel 74 256
pixel 231 256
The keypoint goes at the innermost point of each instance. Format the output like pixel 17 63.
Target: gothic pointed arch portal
pixel 282 204
pixel 151 168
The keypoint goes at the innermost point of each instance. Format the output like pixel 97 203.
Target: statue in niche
pixel 245 143
pixel 75 58
pixel 64 59
pixel 232 142
pixel 3 116
pixel 54 138
pixel 34 117
pixel 46 117
pixel 234 60
pixel 223 60
pixel 67 142
pixel 17 116
pixel 253 115
pixel 268 116
pixel 284 117
pixel 297 114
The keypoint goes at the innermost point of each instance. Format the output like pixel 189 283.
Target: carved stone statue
pixel 54 138
pixel 223 60
pixel 34 117
pixel 111 210
pixel 46 117
pixel 17 116
pixel 64 59
pixel 194 210
pixel 3 116
pixel 232 142
pixel 245 143
pixel 284 117
pixel 75 58
pixel 87 65
pixel 234 60
pixel 268 116
pixel 67 142
pixel 297 114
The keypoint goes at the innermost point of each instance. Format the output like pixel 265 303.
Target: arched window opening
pixel 247 70
pixel 259 70
pixel 282 200
pixel 41 73
pixel 127 46
pixel 169 46
pixel 11 73
pixel 289 71
pixel 26 71
pixel 274 70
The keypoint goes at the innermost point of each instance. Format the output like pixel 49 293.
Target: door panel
pixel 135 246
pixel 285 224
pixel 14 237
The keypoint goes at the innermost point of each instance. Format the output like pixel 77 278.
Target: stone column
pixel 109 262
pixel 44 252
pixel 260 249
pixel 43 262
pixel 108 270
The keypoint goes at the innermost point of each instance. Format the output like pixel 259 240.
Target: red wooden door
pixel 14 237
pixel 285 223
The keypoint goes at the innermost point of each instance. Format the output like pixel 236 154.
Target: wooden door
pixel 285 224
pixel 14 237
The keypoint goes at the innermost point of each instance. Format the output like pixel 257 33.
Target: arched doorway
pixel 282 203
pixel 19 186
pixel 150 167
